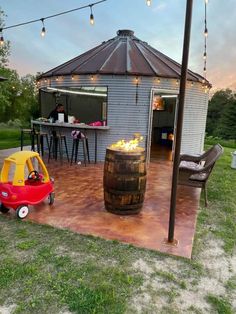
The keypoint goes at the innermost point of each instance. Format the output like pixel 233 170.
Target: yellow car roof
pixel 20 158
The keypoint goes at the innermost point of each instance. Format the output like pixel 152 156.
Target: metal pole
pixel 180 113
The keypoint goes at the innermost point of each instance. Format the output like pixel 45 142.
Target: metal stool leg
pixel 50 147
pixel 72 154
pixel 38 141
pixel 67 154
pixel 87 149
pixel 41 140
pixel 60 149
pixel 47 141
pixel 76 149
pixel 84 151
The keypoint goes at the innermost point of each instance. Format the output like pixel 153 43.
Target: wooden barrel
pixel 124 181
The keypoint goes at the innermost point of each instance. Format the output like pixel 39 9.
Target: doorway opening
pixel 163 125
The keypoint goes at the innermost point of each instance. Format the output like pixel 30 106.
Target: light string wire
pixel 50 16
pixel 205 45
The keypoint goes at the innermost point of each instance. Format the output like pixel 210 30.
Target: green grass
pixel 221 305
pixel 10 137
pixel 220 216
pixel 37 277
pixel 46 270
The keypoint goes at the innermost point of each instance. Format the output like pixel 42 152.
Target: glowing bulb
pixel 1 40
pixel 72 77
pixel 136 80
pixel 204 69
pixel 206 32
pixel 177 82
pixel 91 15
pixel 43 31
pixel 57 78
pixel 92 78
pixel 149 2
pixel 206 1
pixel 204 56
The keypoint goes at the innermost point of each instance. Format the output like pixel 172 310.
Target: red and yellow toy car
pixel 28 187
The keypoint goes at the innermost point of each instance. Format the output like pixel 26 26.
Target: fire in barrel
pixel 124 178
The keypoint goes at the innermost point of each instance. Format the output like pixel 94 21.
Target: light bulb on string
pixel 1 38
pixel 206 1
pixel 149 2
pixel 91 15
pixel 43 31
pixel 204 56
pixel 205 32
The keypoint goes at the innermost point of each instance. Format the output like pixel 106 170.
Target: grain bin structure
pixel 138 88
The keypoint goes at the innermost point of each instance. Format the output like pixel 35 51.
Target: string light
pixel 43 31
pixel 57 78
pixel 91 15
pixel 92 77
pixel 51 16
pixel 177 82
pixel 72 77
pixel 136 79
pixel 149 2
pixel 1 38
pixel 205 48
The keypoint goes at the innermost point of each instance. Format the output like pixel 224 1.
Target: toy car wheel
pixel 51 198
pixel 22 211
pixel 4 209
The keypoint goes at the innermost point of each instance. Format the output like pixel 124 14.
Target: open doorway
pixel 162 125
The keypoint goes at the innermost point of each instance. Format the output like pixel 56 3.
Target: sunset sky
pixel 161 25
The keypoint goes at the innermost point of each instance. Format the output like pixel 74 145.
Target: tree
pixel 18 96
pixel 217 105
pixel 227 123
pixel 4 49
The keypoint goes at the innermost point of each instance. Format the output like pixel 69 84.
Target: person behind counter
pixel 54 113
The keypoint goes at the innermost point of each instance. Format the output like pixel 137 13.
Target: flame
pixel 128 146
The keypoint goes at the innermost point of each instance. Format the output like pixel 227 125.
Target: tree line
pixel 18 95
pixel 221 118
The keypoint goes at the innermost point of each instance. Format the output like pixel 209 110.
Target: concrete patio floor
pixel 79 207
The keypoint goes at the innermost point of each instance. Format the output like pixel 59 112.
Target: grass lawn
pixel 46 270
pixel 10 137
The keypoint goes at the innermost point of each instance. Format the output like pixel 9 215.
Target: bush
pixel 212 140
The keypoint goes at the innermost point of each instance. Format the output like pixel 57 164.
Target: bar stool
pixel 55 145
pixel 77 138
pixel 41 136
pixel 33 135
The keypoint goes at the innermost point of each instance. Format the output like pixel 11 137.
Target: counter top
pixel 70 125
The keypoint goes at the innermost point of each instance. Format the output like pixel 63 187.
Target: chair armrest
pixel 194 158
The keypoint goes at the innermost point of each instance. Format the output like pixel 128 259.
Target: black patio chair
pixel 195 170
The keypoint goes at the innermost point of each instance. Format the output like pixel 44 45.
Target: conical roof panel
pixel 124 54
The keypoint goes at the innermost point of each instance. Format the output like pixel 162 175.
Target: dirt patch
pixel 7 309
pixel 166 283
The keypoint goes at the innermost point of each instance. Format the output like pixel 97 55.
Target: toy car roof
pixel 20 158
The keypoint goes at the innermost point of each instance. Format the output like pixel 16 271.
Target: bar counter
pixel 68 127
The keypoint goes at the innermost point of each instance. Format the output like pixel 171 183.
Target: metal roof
pixel 124 54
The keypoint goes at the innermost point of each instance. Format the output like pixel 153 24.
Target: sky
pixel 161 25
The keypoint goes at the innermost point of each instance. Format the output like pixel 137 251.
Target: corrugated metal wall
pixel 129 105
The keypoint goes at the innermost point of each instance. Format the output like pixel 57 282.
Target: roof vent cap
pixel 125 32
